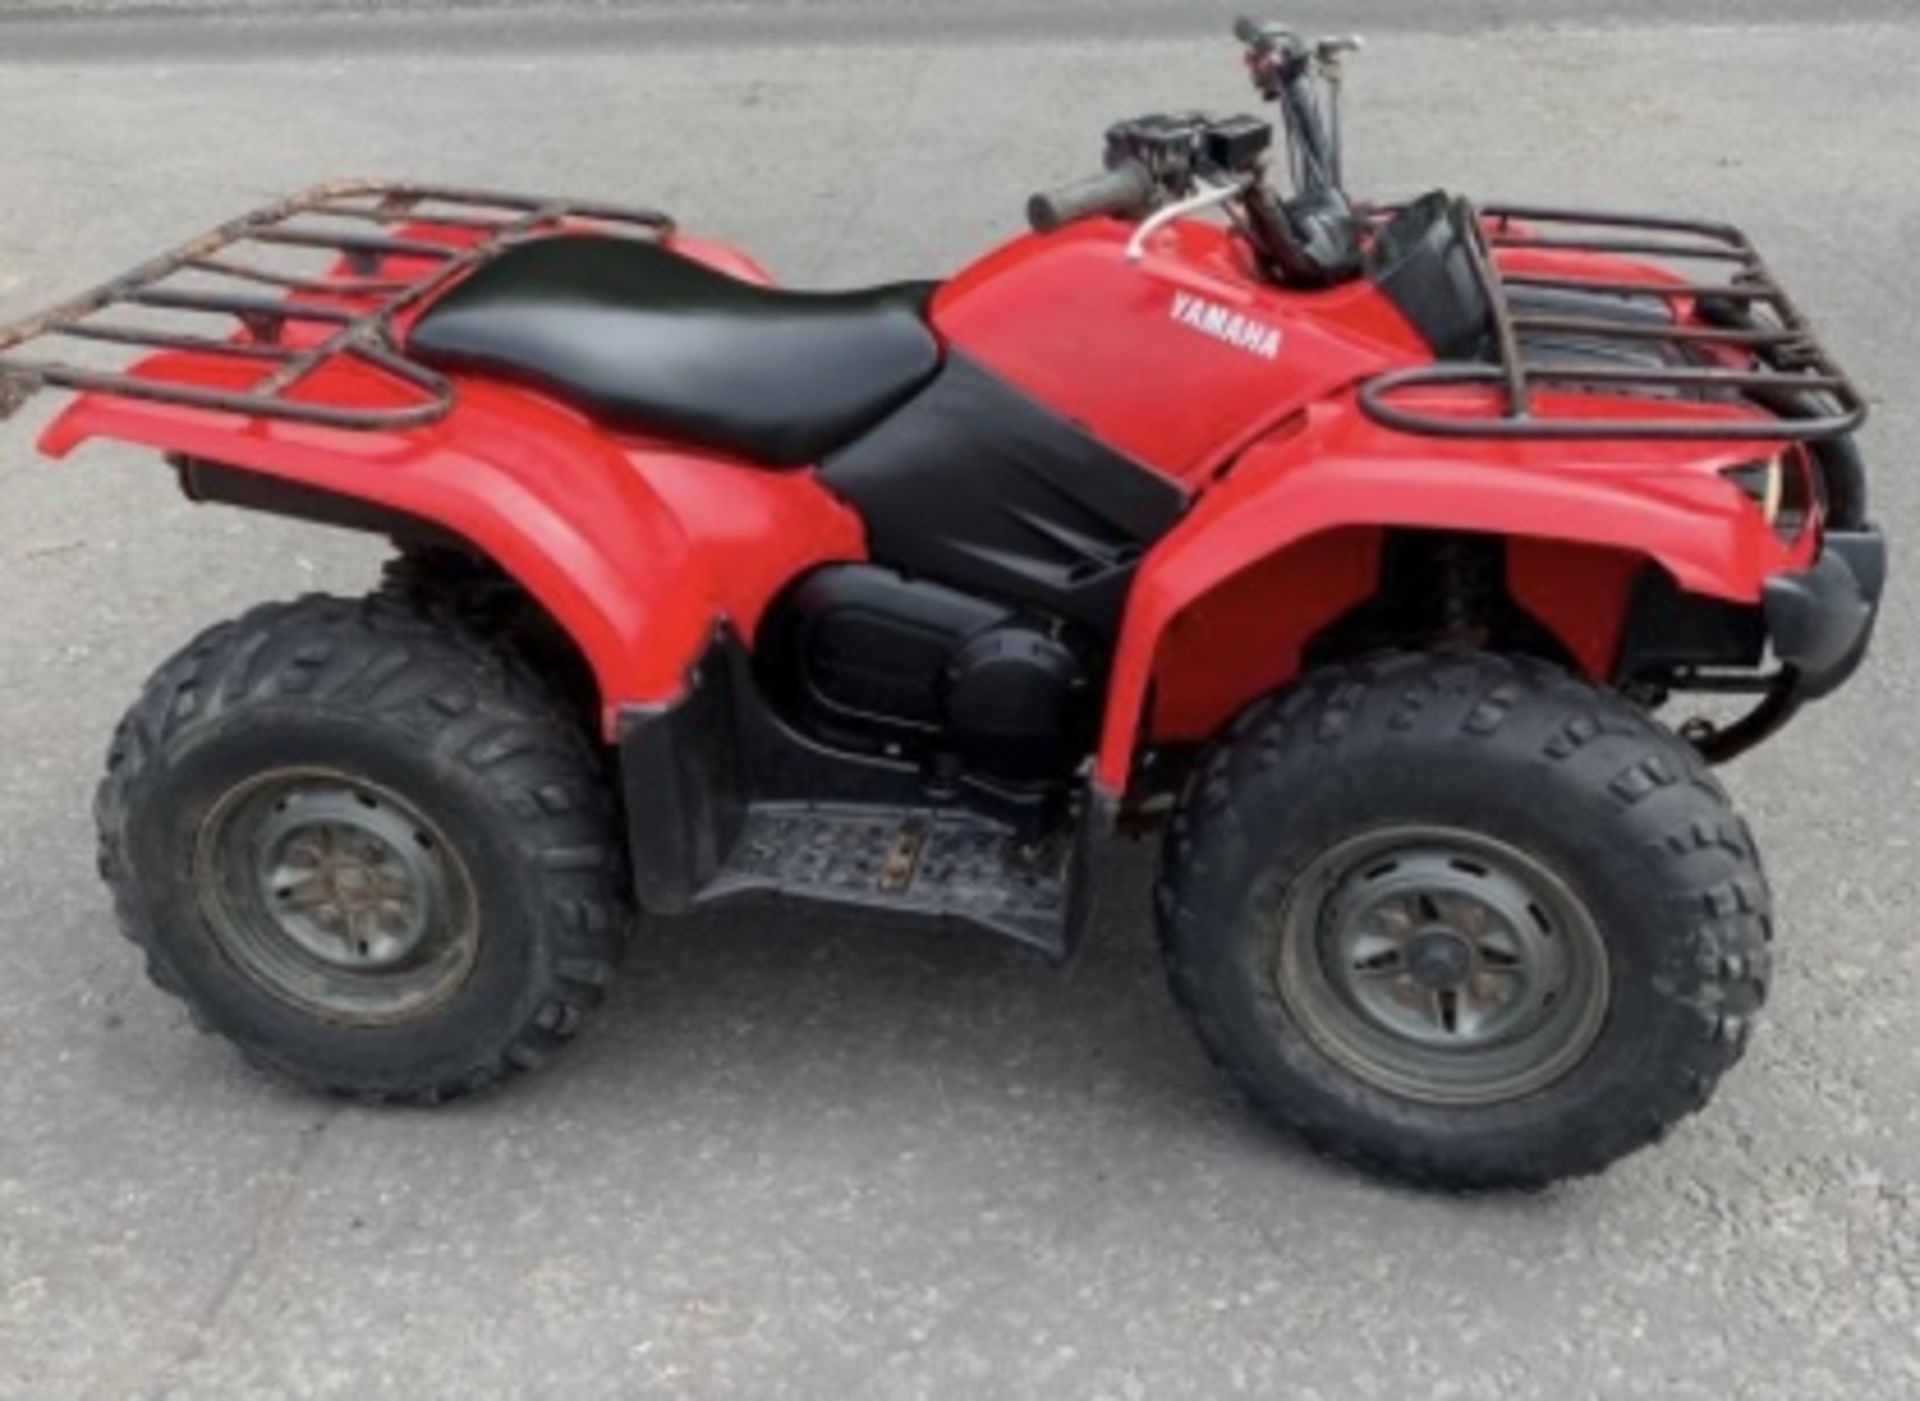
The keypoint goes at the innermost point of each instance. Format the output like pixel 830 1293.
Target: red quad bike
pixel 1355 546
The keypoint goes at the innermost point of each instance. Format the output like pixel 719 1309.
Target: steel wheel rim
pixel 336 895
pixel 1441 965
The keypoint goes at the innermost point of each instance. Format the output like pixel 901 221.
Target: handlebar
pixel 1125 191
pixel 1189 161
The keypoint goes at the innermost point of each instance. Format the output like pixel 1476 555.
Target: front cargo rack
pixel 1746 344
pixel 345 314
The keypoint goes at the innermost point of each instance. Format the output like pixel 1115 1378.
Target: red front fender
pixel 1223 605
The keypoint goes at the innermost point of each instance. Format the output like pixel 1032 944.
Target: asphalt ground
pixel 804 1159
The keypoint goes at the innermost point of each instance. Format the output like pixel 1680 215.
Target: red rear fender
pixel 636 549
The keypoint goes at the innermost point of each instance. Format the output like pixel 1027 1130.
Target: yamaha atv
pixel 1364 551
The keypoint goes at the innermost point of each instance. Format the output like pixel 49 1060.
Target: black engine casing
pixel 864 658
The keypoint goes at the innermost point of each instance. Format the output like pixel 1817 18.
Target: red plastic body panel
pixel 1284 543
pixel 1069 320
pixel 636 549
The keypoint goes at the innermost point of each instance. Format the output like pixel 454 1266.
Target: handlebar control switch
pixel 1237 144
pixel 1178 147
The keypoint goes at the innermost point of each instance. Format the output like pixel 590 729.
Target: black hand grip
pixel 1126 189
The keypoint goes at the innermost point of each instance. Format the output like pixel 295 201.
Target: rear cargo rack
pixel 352 315
pixel 1790 375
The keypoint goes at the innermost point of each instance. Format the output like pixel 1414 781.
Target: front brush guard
pixel 1819 622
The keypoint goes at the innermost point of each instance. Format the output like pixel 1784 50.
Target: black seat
pixel 642 338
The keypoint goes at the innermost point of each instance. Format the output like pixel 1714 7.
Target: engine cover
pixel 864 658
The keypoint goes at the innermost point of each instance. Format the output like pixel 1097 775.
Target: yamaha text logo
pixel 1225 324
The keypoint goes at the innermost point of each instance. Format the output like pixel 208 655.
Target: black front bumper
pixel 1821 619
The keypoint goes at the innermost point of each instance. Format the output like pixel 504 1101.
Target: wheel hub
pixel 336 895
pixel 1439 959
pixel 346 882
pixel 1442 965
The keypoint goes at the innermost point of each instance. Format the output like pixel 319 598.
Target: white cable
pixel 1207 198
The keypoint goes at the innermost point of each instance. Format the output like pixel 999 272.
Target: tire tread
pixel 396 662
pixel 1726 941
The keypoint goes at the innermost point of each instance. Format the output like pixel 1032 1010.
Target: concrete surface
pixel 802 1160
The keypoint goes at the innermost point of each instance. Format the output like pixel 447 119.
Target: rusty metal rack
pixel 352 315
pixel 1787 371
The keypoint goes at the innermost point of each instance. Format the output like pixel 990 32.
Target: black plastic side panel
pixel 690 770
pixel 1667 627
pixel 973 484
pixel 684 784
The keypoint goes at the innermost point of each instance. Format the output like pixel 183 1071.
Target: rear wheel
pixel 1464 919
pixel 367 847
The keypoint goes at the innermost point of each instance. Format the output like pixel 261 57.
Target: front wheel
pixel 1463 919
